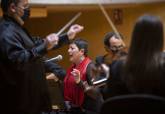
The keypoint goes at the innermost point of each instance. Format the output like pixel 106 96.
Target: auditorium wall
pixel 95 25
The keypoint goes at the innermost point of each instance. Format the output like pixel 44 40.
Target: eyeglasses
pixel 114 48
pixel 24 7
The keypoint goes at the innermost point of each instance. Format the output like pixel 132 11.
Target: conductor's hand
pixel 51 39
pixel 74 29
pixel 76 74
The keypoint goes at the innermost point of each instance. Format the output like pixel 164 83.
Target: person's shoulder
pixel 119 62
pixel 163 58
pixel 6 26
pixel 163 54
pixel 6 33
pixel 91 64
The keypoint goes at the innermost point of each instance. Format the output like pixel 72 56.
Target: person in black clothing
pixel 116 50
pixel 144 68
pixel 22 68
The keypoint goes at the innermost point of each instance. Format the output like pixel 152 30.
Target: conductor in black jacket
pixel 22 69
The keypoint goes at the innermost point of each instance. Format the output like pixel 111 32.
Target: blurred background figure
pixel 115 48
pixel 142 72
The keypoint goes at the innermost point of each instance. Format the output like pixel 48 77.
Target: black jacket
pixel 23 84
